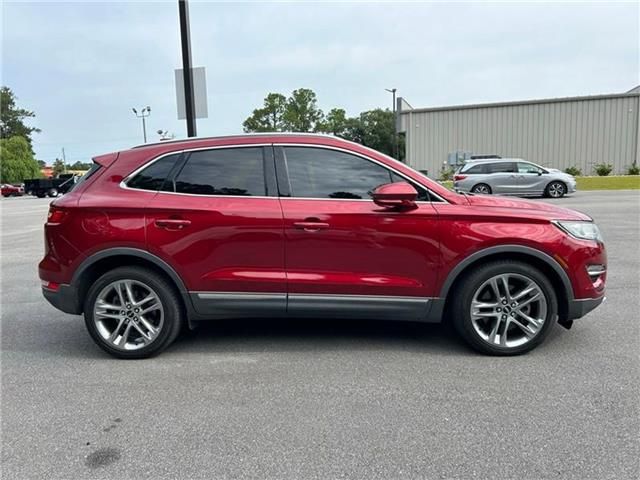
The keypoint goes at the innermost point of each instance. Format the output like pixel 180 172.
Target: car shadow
pixel 311 335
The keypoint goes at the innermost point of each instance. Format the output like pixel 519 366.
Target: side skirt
pixel 217 305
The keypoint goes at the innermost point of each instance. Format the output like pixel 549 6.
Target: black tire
pixel 555 189
pixel 168 296
pixel 52 193
pixel 466 289
pixel 481 188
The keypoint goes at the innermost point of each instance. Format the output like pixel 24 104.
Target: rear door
pixel 503 177
pixel 217 220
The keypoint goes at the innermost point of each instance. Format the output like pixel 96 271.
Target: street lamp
pixel 395 123
pixel 144 113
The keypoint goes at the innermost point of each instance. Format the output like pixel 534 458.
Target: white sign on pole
pixel 199 93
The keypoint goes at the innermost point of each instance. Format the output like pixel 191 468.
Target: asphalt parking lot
pixel 332 399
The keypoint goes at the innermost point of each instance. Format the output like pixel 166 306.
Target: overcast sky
pixel 82 66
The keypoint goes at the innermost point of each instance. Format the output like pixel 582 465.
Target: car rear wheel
pixel 481 188
pixel 556 190
pixel 133 312
pixel 505 308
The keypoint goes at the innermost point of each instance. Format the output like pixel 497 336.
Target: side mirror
pixel 399 195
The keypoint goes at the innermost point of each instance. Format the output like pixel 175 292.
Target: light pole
pixel 185 42
pixel 144 113
pixel 395 123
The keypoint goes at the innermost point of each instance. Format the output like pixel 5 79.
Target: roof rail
pixel 239 135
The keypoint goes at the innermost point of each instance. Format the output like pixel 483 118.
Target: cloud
pixel 82 66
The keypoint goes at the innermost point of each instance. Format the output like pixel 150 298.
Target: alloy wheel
pixel 508 310
pixel 128 314
pixel 483 189
pixel 556 190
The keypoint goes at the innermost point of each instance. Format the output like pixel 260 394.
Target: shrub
pixel 633 170
pixel 575 171
pixel 446 174
pixel 603 169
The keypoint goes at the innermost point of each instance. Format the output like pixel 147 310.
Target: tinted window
pixel 153 177
pixel 227 171
pixel 321 173
pixel 94 168
pixel 477 169
pixel 502 167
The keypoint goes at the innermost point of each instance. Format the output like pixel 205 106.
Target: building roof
pixel 633 92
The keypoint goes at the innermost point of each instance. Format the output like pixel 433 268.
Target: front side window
pixel 528 168
pixel 322 173
pixel 153 177
pixel 224 171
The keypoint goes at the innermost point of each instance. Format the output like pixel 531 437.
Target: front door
pixel 345 255
pixel 218 222
pixel 531 180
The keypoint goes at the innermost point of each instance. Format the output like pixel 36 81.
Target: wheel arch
pixel 537 258
pixel 101 262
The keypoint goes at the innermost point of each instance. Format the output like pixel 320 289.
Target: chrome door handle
pixel 309 226
pixel 172 223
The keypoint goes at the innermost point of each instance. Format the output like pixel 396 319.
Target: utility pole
pixel 395 123
pixel 144 113
pixel 64 160
pixel 185 39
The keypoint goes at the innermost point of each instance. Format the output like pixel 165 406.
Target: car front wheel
pixel 132 312
pixel 505 308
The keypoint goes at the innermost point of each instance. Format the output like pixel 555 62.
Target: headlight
pixel 581 230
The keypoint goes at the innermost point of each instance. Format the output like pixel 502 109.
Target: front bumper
pixel 65 298
pixel 580 307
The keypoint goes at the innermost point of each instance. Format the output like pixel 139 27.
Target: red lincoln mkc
pixel 162 236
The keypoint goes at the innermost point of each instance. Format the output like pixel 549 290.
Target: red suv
pixel 300 225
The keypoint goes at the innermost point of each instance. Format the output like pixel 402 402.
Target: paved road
pixel 329 399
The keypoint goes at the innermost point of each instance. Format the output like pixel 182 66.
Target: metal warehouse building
pixel 558 132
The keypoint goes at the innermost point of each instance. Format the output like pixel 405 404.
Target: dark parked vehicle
pixel 52 187
pixel 162 236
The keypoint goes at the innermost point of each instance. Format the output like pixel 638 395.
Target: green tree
pixel 42 163
pixel 336 122
pixel 302 113
pixel 80 166
pixel 12 118
pixel 17 160
pixel 269 118
pixel 58 167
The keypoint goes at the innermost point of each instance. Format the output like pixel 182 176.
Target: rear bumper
pixel 65 299
pixel 579 308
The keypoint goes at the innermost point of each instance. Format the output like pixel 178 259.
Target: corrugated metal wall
pixel 559 133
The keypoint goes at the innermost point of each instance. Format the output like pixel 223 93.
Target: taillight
pixel 459 177
pixel 56 215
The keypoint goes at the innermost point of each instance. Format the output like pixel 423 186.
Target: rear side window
pixel 476 169
pixel 502 167
pixel 94 168
pixel 224 171
pixel 153 177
